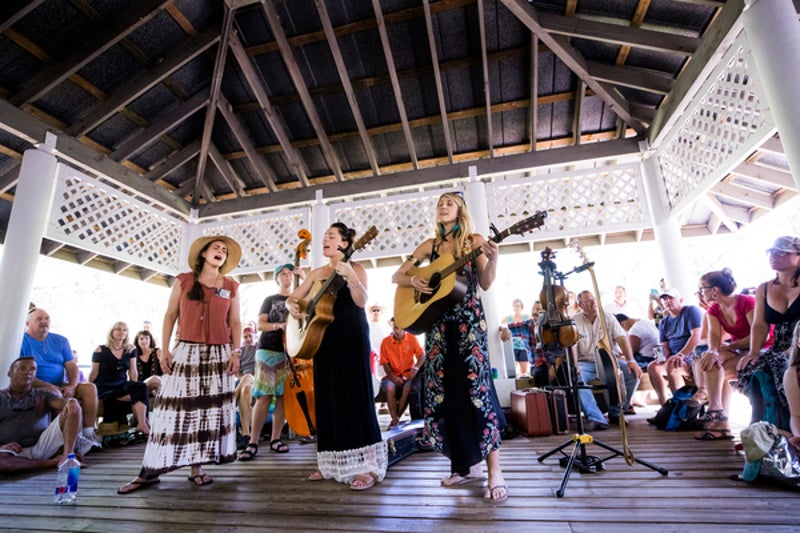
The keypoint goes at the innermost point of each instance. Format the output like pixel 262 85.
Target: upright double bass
pixel 298 399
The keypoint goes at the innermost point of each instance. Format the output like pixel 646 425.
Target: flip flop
pixel 490 492
pixel 316 475
pixel 715 434
pixel 453 480
pixel 135 485
pixel 367 484
pixel 205 479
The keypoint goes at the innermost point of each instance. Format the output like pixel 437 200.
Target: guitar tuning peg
pixel 494 229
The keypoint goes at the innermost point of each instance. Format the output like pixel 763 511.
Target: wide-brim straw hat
pixel 234 252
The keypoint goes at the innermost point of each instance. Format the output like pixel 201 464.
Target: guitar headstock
pixel 301 250
pixel 575 243
pixel 362 241
pixel 530 223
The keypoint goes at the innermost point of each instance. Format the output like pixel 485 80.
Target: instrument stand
pixel 578 458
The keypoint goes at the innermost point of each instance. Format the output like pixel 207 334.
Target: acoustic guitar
pixel 416 312
pixel 303 337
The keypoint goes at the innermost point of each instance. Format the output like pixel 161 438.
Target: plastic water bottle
pixel 67 483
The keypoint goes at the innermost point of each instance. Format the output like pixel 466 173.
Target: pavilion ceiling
pixel 231 106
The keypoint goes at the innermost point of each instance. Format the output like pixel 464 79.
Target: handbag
pixel 770 457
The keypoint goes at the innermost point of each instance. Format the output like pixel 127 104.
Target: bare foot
pixel 475 474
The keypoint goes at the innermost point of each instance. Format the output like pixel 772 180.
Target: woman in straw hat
pixel 194 421
pixel 777 302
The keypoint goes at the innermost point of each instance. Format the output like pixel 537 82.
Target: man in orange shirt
pixel 401 357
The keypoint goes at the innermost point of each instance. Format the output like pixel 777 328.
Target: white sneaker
pixel 84 445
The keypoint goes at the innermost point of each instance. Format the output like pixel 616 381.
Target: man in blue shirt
pixel 679 333
pixel 54 361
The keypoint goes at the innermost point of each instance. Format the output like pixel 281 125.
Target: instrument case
pixel 404 440
pixel 530 412
pixel 559 414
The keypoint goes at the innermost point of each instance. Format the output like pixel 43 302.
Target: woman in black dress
pixel 349 444
pixel 115 376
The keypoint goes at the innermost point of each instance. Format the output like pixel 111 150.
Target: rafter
pixel 163 124
pixel 257 85
pixel 259 165
pixel 636 78
pixel 773 176
pixel 174 161
pixel 341 69
pixel 485 71
pixel 437 77
pixel 398 95
pixel 578 109
pixel 527 14
pixel 139 15
pixel 299 83
pixel 226 170
pixel 744 195
pixel 533 109
pixel 13 18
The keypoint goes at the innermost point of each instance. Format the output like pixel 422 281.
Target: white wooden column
pixel 320 213
pixel 29 214
pixel 476 203
pixel 773 31
pixel 667 231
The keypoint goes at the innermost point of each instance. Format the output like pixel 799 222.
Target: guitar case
pixel 404 440
pixel 559 413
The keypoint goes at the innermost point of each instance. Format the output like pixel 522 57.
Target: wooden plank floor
pixel 271 493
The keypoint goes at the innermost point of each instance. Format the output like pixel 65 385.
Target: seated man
pixel 29 439
pixel 243 395
pixel 643 337
pixel 398 353
pixel 679 333
pixel 54 360
pixel 590 333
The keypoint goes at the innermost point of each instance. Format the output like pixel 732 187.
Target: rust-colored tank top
pixel 205 321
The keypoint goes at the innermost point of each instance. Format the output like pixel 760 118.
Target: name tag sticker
pixel 223 293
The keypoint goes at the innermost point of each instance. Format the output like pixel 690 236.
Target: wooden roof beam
pixel 576 118
pixel 152 77
pixel 437 77
pixel 299 83
pixel 533 108
pixel 139 14
pixel 256 84
pixel 226 170
pixel 486 85
pixel 341 68
pixel 174 161
pixel 164 123
pixel 744 195
pixel 773 176
pixel 256 160
pixel 211 109
pixel 12 18
pixel 574 60
pixel 641 79
pixel 398 95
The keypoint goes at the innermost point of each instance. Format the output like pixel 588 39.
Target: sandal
pixel 715 434
pixel 278 446
pixel 249 452
pixel 700 397
pixel 137 484
pixel 491 495
pixel 201 479
pixel 308 440
pixel 359 483
pixel 714 415
pixel 316 475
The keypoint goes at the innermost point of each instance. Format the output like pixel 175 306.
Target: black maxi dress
pixel 349 439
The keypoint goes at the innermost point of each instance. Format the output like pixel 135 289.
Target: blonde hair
pixel 463 228
pixel 110 338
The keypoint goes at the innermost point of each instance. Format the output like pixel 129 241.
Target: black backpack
pixel 680 414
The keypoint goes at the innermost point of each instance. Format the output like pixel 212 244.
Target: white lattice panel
pixel 728 115
pixel 403 221
pixel 98 218
pixel 266 241
pixel 585 201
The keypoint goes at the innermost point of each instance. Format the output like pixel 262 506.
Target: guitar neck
pixel 458 264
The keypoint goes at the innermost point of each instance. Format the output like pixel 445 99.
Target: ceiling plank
pixel 163 124
pixel 211 108
pixel 636 22
pixel 713 45
pixel 174 161
pixel 636 78
pixel 299 83
pixel 140 14
pixel 485 71
pixel 718 210
pixel 341 68
pixel 398 95
pixel 152 77
pixel 744 195
pixel 256 160
pixel 574 60
pixel 274 119
pixel 620 34
pixel 445 173
pixel 773 176
pixel 737 214
pixel 773 145
pixel 49 247
pixel 437 77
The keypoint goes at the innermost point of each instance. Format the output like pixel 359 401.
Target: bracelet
pixel 411 281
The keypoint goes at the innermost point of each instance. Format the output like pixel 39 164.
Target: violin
pixel 556 330
pixel 298 400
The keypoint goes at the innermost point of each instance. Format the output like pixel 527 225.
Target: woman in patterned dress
pixel 463 418
pixel 194 422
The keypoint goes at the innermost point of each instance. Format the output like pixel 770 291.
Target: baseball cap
pixel 672 293
pixel 278 268
pixel 786 244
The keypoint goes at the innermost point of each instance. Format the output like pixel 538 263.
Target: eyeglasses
pixel 375 310
pixel 701 289
pixel 779 253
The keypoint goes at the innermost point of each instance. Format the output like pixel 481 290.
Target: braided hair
pixel 196 292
